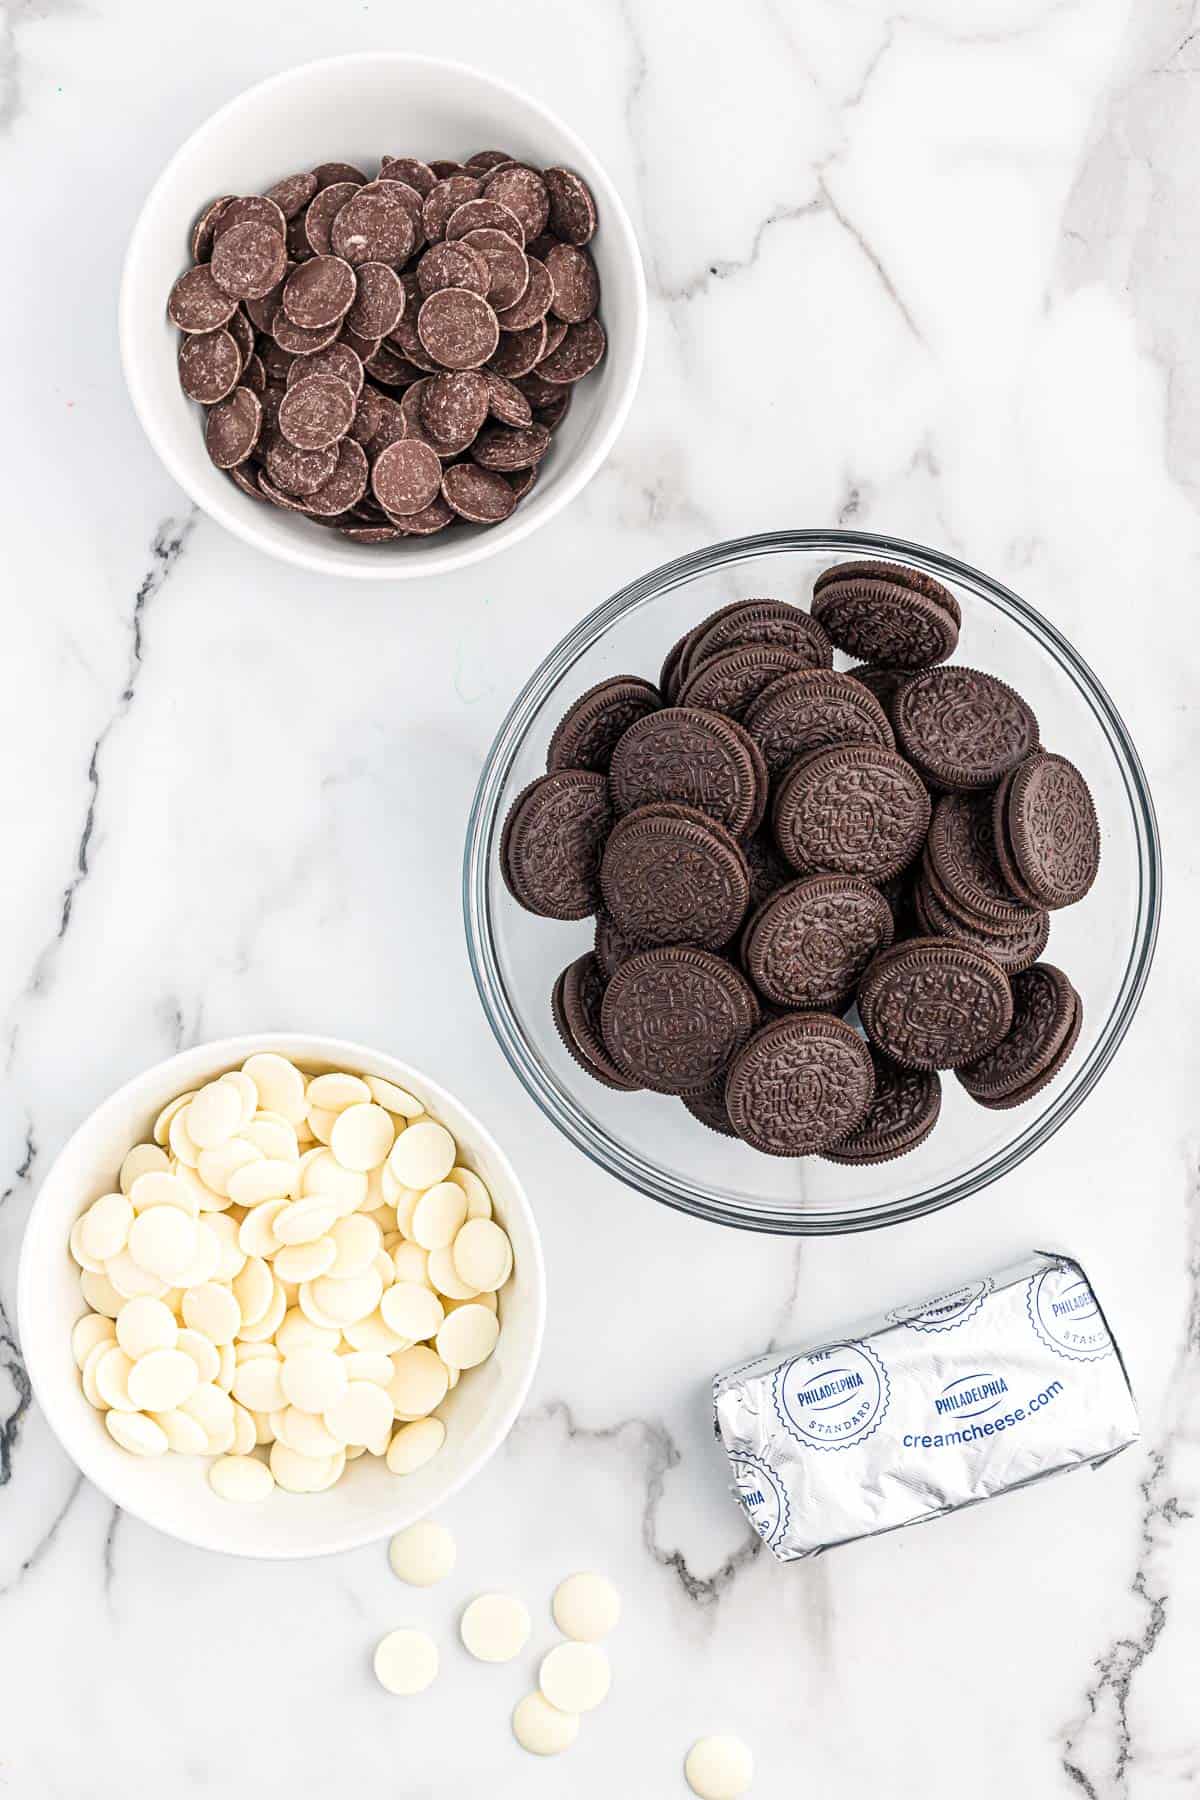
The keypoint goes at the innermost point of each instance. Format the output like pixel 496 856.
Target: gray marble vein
pixel 1101 1749
pixel 46 1541
pixel 170 540
pixel 14 1367
pixel 658 1454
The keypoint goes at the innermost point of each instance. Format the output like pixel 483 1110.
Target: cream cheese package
pixel 933 1406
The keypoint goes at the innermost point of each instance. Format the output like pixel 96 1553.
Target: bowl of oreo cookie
pixel 812 882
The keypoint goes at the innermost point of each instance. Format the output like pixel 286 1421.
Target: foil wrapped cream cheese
pixel 931 1407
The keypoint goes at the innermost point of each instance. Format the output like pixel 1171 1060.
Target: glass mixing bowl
pixel 649 1140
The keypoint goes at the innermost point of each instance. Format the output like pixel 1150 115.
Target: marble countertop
pixel 911 270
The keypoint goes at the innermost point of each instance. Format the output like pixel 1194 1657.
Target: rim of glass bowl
pixel 479 867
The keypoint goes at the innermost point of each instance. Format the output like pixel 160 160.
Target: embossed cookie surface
pixel 1052 829
pixel 887 613
pixel 673 1018
pixel 748 622
pixel 733 679
pixel 670 875
pixel 962 852
pixel 962 728
pixel 800 1085
pixel 696 757
pixel 587 735
pixel 901 1115
pixel 1044 1009
pixel 853 810
pixel 808 945
pixel 552 843
pixel 811 711
pixel 932 1003
pixel 1013 947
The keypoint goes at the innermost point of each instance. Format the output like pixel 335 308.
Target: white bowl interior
pixel 172 1492
pixel 354 109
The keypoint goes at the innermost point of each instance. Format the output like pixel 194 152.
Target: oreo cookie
pixel 747 622
pixel 962 857
pixel 887 613
pixel 697 758
pixel 935 1003
pixel 575 1004
pixel 732 680
pixel 1002 843
pixel 808 945
pixel 670 875
pixel 709 1108
pixel 673 1018
pixel 587 734
pixel 903 1112
pixel 800 1085
pixel 1014 948
pixel 552 844
pixel 810 711
pixel 962 728
pixel 1047 1016
pixel 1051 824
pixel 670 673
pixel 857 809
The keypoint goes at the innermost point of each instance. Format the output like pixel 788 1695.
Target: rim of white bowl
pixel 486 544
pixel 32 1326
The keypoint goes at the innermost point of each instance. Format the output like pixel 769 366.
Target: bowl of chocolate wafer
pixel 812 882
pixel 382 315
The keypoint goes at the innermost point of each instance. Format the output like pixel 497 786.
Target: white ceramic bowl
pixel 172 1492
pixel 355 108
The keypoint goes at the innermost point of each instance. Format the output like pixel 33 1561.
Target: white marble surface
pixel 930 271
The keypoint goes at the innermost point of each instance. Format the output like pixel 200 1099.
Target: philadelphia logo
pixel 970 1396
pixel 946 1312
pixel 834 1397
pixel 1063 1311
pixel 762 1496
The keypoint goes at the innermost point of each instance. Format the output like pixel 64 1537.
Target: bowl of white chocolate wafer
pixel 281 1295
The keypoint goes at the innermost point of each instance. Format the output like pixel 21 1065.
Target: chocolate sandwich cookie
pixel 698 758
pixel 807 946
pixel 935 1003
pixel 887 613
pixel 961 850
pixel 883 682
pixel 732 680
pixel 673 1018
pixel 857 809
pixel 810 711
pixel 575 1004
pixel 1014 948
pixel 1047 1013
pixel 962 728
pixel 552 843
pixel 671 875
pixel 902 1114
pixel 1051 825
pixel 611 945
pixel 1002 842
pixel 668 679
pixel 586 736
pixel 800 1085
pixel 709 1108
pixel 748 622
